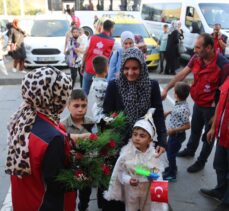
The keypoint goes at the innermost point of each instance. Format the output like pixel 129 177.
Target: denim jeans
pixel 173 146
pixel 87 81
pixel 221 166
pixel 201 117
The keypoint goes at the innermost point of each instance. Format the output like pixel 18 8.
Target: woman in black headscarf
pixel 172 50
pixel 134 93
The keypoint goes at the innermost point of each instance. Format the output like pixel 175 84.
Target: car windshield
pixel 134 28
pixel 49 28
pixel 216 13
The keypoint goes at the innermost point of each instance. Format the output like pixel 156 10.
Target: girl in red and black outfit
pixel 37 144
pixel 17 48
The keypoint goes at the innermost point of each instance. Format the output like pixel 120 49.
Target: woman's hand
pixel 164 94
pixel 134 182
pixel 159 150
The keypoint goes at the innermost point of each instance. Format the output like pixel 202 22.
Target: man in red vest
pixel 99 45
pixel 206 66
pixel 220 40
pixel 220 130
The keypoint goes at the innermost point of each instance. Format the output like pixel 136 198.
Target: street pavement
pixel 183 194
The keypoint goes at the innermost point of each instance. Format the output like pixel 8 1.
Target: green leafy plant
pixel 92 159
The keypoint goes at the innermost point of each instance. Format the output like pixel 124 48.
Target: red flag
pixel 159 191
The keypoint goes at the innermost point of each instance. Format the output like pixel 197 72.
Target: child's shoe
pixel 169 177
pixel 166 170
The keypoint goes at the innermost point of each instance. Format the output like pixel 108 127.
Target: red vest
pixel 205 82
pixel 28 192
pixel 217 46
pixel 222 118
pixel 99 45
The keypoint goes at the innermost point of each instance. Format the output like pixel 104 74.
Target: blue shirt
pixel 163 41
pixel 115 64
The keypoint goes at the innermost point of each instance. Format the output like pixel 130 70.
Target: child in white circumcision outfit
pixel 125 184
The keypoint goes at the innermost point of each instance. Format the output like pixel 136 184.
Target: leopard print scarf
pixel 45 90
pixel 135 95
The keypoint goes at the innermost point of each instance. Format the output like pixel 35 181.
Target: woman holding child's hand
pixel 134 93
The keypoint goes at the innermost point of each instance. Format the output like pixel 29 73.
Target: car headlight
pixel 152 50
pixel 28 47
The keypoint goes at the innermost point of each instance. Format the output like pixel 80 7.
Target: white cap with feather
pixel 147 123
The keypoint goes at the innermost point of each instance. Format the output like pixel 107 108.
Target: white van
pixel 196 16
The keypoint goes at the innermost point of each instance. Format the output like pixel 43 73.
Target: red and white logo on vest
pixel 207 88
pixel 98 49
pixel 159 191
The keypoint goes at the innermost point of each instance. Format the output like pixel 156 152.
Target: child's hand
pixel 75 137
pixel 134 182
pixel 170 131
pixel 85 135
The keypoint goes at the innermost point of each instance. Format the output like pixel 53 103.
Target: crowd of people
pixel 118 81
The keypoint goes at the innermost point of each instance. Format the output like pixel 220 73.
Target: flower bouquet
pixel 91 160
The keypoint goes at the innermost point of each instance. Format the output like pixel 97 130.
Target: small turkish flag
pixel 159 191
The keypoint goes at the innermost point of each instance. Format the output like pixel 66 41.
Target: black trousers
pixel 74 72
pixel 200 119
pixel 221 165
pixel 162 59
pixel 170 67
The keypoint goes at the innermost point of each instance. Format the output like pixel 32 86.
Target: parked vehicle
pixel 45 43
pixel 86 14
pixel 129 23
pixel 196 16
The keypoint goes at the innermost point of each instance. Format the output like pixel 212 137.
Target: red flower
pixel 113 115
pixel 78 173
pixel 79 156
pixel 106 169
pixel 112 144
pixel 93 137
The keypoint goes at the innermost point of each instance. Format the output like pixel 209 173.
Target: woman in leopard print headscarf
pixel 36 141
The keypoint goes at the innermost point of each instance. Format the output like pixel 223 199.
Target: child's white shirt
pixel 97 95
pixel 129 158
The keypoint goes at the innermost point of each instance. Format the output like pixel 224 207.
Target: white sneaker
pixel 14 70
pixel 23 71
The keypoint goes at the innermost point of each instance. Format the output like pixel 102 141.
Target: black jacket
pixel 113 103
